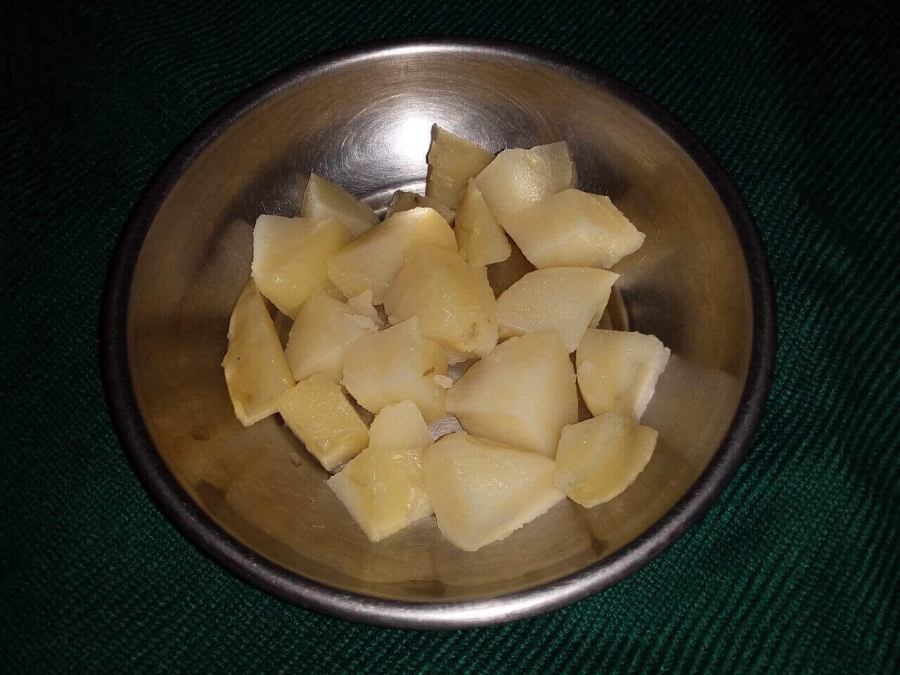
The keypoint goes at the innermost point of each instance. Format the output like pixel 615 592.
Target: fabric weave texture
pixel 795 568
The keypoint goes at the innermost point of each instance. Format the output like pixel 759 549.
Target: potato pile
pixel 381 309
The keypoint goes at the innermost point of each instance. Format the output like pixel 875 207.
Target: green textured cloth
pixel 796 568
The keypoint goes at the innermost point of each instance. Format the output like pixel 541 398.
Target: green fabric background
pixel 795 568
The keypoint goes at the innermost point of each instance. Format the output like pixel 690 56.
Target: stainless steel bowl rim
pixel 256 570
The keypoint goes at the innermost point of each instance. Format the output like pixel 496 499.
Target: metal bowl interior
pixel 362 119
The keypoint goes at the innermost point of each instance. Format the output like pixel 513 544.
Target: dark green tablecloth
pixel 796 567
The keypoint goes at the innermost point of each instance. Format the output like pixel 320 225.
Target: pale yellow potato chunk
pixel 371 262
pixel 322 329
pixel 322 417
pixel 256 371
pixel 482 491
pixel 480 238
pixel 518 178
pixel 290 257
pixel 599 458
pixel 617 370
pixel 404 201
pixel 395 365
pixel 452 161
pixel 522 394
pixel 384 488
pixel 573 228
pixel 453 301
pixel 562 299
pixel 324 199
pixel 399 426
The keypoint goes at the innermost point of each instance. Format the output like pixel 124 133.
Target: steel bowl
pixel 361 118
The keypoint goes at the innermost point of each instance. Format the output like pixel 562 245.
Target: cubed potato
pixel 371 262
pixel 324 199
pixel 522 394
pixel 399 426
pixel 383 489
pixel 562 299
pixel 404 201
pixel 322 417
pixel 573 228
pixel 599 458
pixel 482 491
pixel 453 301
pixel 290 257
pixel 322 329
pixel 452 161
pixel 480 238
pixel 518 178
pixel 256 370
pixel 395 365
pixel 617 371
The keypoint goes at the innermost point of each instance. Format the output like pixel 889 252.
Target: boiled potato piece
pixel 480 238
pixel 562 299
pixel 483 491
pixel 290 256
pixel 599 458
pixel 518 178
pixel 399 426
pixel 320 415
pixel 522 394
pixel 256 371
pixel 395 365
pixel 453 301
pixel 324 199
pixel 574 228
pixel 452 161
pixel 371 262
pixel 383 489
pixel 322 329
pixel 617 371
pixel 404 201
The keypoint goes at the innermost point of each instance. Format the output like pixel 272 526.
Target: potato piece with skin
pixel 404 201
pixel 371 262
pixel 321 331
pixel 617 370
pixel 452 161
pixel 482 491
pixel 452 300
pixel 324 199
pixel 290 257
pixel 319 414
pixel 562 299
pixel 573 228
pixel 256 370
pixel 395 365
pixel 599 458
pixel 518 178
pixel 522 394
pixel 480 238
pixel 400 426
pixel 384 487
